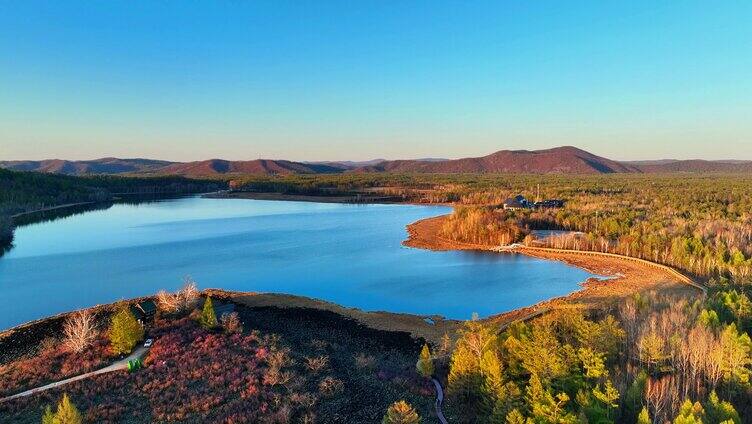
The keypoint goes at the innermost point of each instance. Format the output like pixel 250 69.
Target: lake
pixel 347 254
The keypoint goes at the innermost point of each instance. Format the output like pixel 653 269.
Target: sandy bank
pixel 627 276
pixel 416 325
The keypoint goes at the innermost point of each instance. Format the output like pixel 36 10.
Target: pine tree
pixel 546 407
pixel 718 411
pixel 735 355
pixel 401 413
pixel 690 413
pixel 465 375
pixel 515 417
pixel 48 417
pixel 208 317
pixel 425 362
pixel 67 413
pixel 644 417
pixel 125 331
pixel 496 399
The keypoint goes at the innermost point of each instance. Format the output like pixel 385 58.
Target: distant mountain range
pixel 80 167
pixel 559 160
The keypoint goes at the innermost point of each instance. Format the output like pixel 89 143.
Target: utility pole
pixel 596 220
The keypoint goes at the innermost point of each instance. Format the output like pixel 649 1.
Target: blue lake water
pixel 347 254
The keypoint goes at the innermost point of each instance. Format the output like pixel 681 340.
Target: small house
pixel 517 202
pixel 144 311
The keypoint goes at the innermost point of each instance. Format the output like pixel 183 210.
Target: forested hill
pixel 29 191
pixel 26 191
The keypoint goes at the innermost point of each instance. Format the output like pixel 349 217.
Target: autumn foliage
pixel 482 226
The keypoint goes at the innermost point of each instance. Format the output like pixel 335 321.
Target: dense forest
pixel 30 191
pixel 651 360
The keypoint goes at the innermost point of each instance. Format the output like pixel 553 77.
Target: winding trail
pixel 519 248
pixel 439 400
pixel 117 366
pixel 51 208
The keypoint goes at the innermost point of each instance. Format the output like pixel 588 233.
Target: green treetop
pixel 401 413
pixel 644 417
pixel 208 317
pixel 735 355
pixel 48 417
pixel 67 413
pixel 718 411
pixel 125 331
pixel 425 362
pixel 690 413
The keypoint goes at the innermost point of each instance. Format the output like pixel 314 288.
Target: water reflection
pixel 347 254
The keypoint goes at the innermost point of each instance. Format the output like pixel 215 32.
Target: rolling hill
pixel 96 166
pixel 694 166
pixel 560 160
pixel 258 167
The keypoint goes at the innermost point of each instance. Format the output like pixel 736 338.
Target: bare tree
pixel 662 395
pixel 189 294
pixel 79 331
pixel 183 300
pixel 168 302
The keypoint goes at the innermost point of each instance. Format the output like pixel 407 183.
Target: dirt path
pixel 119 365
pixel 52 208
pixel 439 401
pixel 660 268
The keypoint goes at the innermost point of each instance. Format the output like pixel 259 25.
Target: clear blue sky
pixel 301 80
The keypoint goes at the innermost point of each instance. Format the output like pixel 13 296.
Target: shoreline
pixel 344 199
pixel 24 338
pixel 624 276
pixel 52 208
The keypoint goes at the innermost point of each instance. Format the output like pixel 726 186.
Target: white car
pixel 148 342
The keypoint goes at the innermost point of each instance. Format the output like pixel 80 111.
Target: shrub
pixel 181 301
pixel 231 323
pixel 329 386
pixel 364 361
pixel 316 364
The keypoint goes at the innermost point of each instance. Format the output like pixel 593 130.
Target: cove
pixel 347 254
